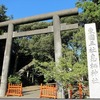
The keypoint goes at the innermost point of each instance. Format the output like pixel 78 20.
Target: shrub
pixel 14 79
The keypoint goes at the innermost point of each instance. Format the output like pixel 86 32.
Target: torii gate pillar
pixel 57 38
pixel 6 60
pixel 58 48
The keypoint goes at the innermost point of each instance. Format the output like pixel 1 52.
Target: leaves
pixel 90 12
pixel 14 79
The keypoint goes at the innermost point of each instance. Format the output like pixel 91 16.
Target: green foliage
pixel 42 48
pixel 78 44
pixel 14 79
pixel 98 41
pixel 70 20
pixel 69 69
pixel 47 69
pixel 90 12
pixel 39 47
pixel 3 10
pixel 3 17
pixel 20 46
pixel 33 26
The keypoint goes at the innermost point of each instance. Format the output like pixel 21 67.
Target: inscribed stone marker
pixel 93 60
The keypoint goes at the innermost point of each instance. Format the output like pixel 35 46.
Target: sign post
pixel 93 60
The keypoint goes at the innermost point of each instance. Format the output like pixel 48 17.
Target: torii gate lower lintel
pixel 56 28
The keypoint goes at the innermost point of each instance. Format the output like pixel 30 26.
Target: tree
pixel 90 12
pixel 4 17
pixel 20 48
pixel 37 47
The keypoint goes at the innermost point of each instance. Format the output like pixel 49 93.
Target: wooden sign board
pixel 93 60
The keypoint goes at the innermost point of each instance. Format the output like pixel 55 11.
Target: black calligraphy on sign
pixel 93 65
pixel 92 49
pixel 91 37
pixel 93 58
pixel 91 43
pixel 94 72
pixel 95 80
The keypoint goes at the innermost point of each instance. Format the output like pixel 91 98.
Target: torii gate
pixel 56 28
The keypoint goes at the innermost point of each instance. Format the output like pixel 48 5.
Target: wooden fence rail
pixel 14 90
pixel 48 91
pixel 80 91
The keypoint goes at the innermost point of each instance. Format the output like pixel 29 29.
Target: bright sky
pixel 26 8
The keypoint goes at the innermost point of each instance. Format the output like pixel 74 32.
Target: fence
pixel 48 91
pixel 77 91
pixel 14 90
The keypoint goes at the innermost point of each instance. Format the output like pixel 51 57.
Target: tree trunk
pixel 15 65
pixel 22 70
pixel 60 93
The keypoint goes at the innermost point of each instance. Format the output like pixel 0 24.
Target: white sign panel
pixel 93 60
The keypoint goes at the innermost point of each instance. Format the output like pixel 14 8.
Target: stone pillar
pixel 57 38
pixel 58 50
pixel 6 60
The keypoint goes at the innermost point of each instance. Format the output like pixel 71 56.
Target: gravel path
pixel 31 91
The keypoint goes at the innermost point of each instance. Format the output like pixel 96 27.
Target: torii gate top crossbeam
pixel 41 17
